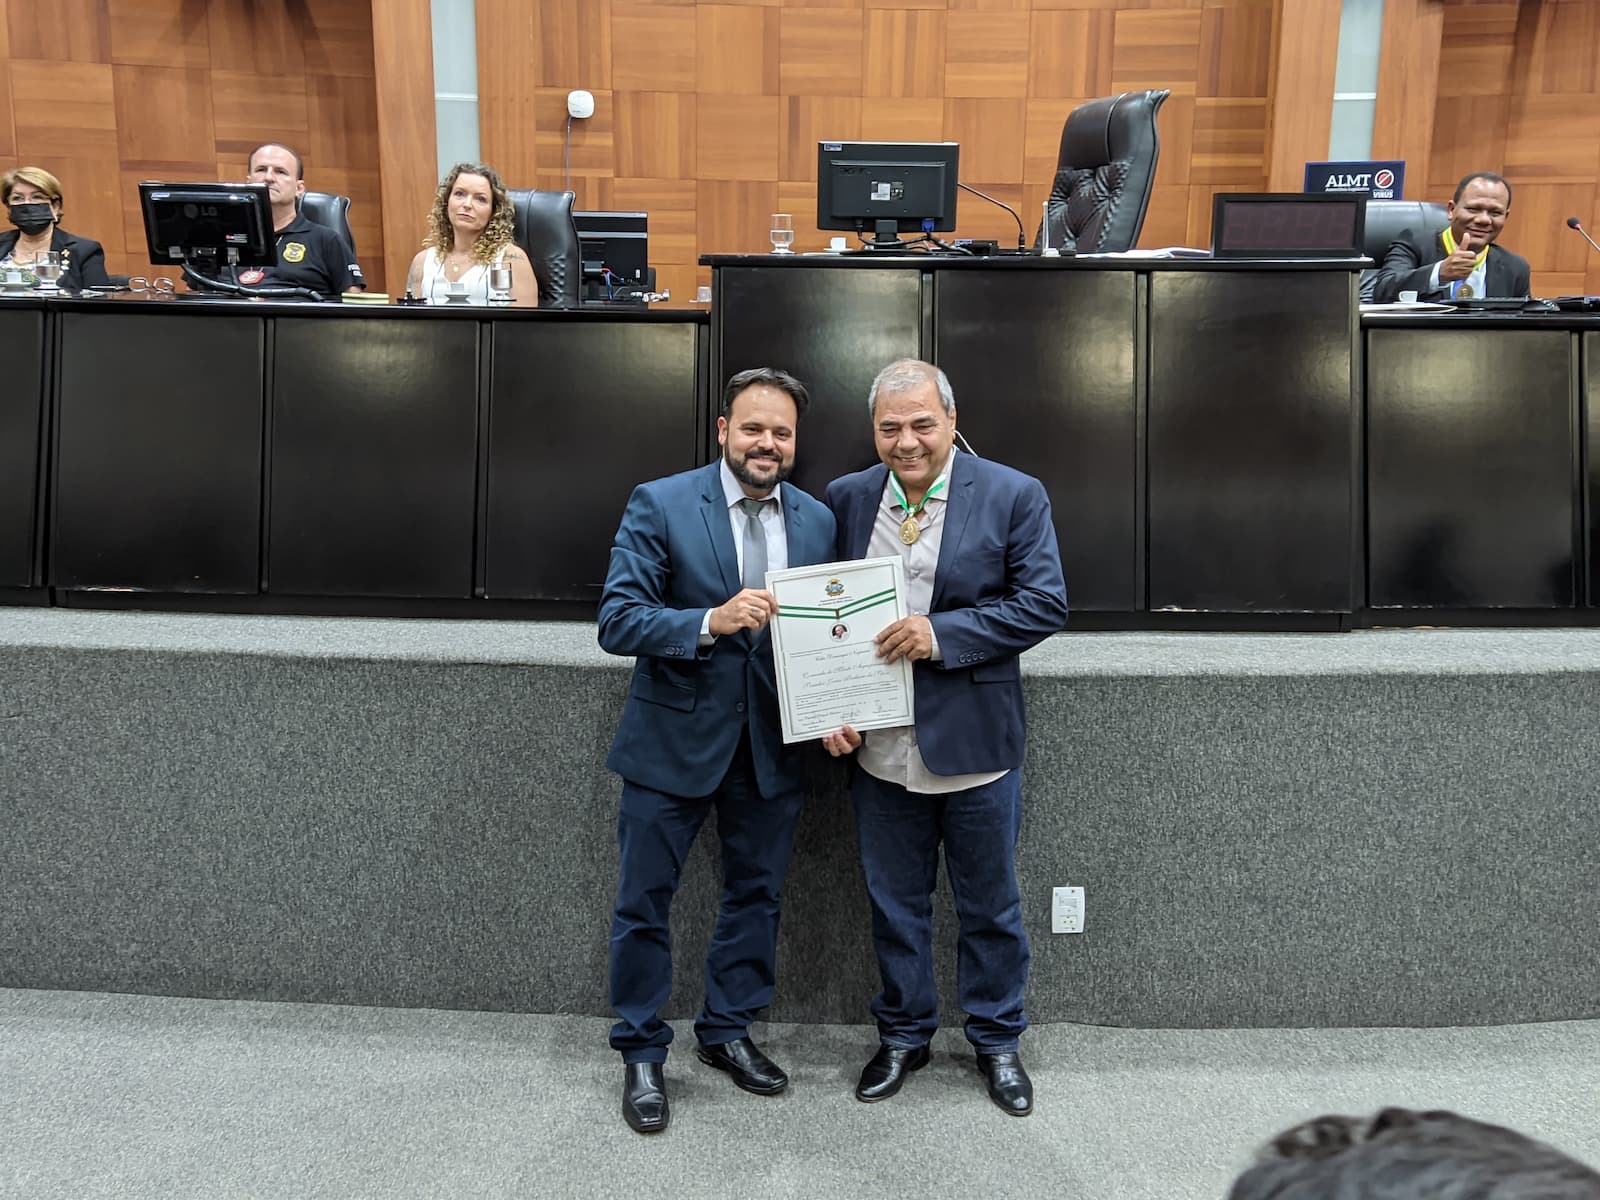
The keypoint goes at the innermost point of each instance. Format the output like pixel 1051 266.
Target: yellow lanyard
pixel 1450 248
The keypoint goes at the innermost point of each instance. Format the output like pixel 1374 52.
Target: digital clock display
pixel 1287 226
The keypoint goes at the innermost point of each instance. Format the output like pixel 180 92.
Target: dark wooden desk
pixel 284 450
pixel 22 415
pixel 1196 423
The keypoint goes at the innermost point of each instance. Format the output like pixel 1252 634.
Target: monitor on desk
pixel 208 225
pixel 615 244
pixel 887 188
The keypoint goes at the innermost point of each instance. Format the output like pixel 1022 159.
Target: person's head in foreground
pixel 1405 1155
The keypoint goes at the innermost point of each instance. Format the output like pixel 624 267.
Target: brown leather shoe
pixel 751 1069
pixel 882 1077
pixel 644 1098
pixel 1009 1085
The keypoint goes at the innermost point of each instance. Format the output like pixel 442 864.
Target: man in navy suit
pixel 686 595
pixel 1464 260
pixel 984 584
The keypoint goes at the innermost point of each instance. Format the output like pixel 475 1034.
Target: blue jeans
pixel 654 833
pixel 900 834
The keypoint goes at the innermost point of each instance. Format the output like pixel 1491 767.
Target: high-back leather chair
pixel 545 231
pixel 1386 220
pixel 1104 173
pixel 330 210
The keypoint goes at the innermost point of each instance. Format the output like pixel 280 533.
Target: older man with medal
pixel 1462 262
pixel 983 584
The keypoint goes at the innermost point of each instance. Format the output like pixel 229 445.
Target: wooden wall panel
pixel 402 54
pixel 1305 53
pixel 104 93
pixel 708 111
pixel 1518 93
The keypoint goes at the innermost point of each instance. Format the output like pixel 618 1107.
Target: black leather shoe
pixel 644 1098
pixel 1009 1085
pixel 882 1077
pixel 751 1069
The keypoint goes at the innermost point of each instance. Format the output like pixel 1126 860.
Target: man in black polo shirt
pixel 309 255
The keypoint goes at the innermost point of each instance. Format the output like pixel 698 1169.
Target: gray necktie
pixel 755 545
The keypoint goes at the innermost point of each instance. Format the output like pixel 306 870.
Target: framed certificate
pixel 828 669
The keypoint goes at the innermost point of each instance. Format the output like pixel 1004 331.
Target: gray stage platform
pixel 1360 829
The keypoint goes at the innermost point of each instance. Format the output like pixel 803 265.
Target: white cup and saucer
pixel 1408 297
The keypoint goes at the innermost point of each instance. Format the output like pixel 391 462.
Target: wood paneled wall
pixel 104 93
pixel 708 111
pixel 1518 93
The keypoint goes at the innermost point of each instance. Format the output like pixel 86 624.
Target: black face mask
pixel 32 218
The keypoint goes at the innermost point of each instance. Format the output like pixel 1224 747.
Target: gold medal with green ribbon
pixel 910 531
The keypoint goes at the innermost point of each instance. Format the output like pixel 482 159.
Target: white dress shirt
pixel 891 754
pixel 771 524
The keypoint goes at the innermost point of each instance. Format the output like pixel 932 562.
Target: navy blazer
pixel 1408 267
pixel 84 264
pixel 672 559
pixel 997 591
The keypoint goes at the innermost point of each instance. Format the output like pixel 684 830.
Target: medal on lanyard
pixel 1463 289
pixel 910 531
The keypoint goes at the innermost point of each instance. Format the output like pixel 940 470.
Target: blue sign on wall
pixel 1375 180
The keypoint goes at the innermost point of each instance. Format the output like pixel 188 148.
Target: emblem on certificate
pixel 909 531
pixel 1464 292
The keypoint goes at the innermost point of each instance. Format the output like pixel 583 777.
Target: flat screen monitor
pixel 614 241
pixel 208 224
pixel 887 188
pixel 1288 225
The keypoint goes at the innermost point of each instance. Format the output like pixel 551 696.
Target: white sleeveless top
pixel 435 287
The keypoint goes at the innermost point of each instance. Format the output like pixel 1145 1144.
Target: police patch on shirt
pixel 293 252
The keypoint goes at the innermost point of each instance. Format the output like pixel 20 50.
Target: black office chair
pixel 1387 220
pixel 545 231
pixel 1104 173
pixel 331 211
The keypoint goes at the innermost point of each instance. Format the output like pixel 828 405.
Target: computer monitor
pixel 617 242
pixel 887 188
pixel 208 224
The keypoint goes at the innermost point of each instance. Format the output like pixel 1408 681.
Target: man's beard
pixel 741 469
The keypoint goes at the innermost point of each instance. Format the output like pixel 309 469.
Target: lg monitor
pixel 615 248
pixel 209 226
pixel 887 188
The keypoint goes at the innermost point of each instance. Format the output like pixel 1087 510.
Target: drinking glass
pixel 782 233
pixel 48 268
pixel 500 283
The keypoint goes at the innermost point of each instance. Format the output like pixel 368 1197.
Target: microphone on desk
pixel 1572 223
pixel 1022 235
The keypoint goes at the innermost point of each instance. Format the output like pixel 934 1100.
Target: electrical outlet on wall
pixel 1066 910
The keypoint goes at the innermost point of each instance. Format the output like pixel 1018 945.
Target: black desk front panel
pixel 832 329
pixel 1589 431
pixel 579 414
pixel 157 483
pixel 1471 468
pixel 1252 436
pixel 373 457
pixel 1042 366
pixel 21 415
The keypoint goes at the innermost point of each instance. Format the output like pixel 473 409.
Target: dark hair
pixel 1488 176
pixel 299 166
pixel 1401 1154
pixel 771 377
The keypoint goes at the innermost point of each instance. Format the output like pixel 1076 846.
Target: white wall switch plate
pixel 1066 910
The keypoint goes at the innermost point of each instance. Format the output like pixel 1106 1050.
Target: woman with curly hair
pixel 469 230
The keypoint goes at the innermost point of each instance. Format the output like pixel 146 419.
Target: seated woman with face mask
pixel 32 197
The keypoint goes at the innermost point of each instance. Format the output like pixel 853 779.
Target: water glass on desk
pixel 48 268
pixel 500 283
pixel 782 233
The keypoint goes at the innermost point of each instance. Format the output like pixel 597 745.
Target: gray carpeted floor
pixel 139 1096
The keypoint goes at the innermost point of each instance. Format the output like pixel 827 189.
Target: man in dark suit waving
pixel 686 595
pixel 1463 261
pixel 984 584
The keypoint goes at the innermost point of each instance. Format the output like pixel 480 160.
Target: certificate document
pixel 829 672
